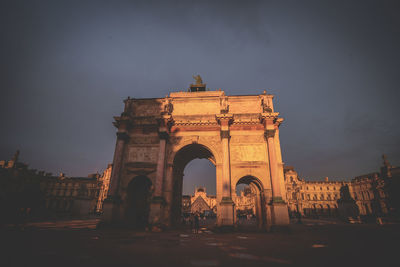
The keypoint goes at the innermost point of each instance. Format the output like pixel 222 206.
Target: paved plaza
pixel 313 243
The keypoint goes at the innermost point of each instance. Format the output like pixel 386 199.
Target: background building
pixel 30 193
pixel 373 194
pixel 207 204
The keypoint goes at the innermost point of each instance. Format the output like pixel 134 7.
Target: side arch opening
pixel 138 202
pixel 250 204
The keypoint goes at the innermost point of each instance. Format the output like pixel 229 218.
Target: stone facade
pixel 28 192
pixel 201 202
pixel 374 194
pixel 245 202
pixel 157 137
pixel 104 180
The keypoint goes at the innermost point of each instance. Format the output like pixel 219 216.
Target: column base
pixel 226 212
pixel 280 214
pixel 111 210
pixel 156 218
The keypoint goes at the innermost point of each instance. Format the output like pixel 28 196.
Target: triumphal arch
pixel 157 137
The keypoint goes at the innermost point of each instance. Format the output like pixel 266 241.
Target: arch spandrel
pixel 257 173
pixel 252 181
pixel 181 142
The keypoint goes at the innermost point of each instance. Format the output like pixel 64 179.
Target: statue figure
pixel 387 168
pixel 385 160
pixel 167 106
pixel 15 157
pixel 128 107
pixel 224 104
pixel 264 104
pixel 198 80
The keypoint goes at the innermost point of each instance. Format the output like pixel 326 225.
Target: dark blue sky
pixel 333 66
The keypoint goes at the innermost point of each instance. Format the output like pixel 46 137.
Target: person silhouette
pixel 196 223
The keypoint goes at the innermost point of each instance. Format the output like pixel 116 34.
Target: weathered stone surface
pixel 227 130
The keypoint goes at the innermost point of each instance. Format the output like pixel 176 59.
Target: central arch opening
pixel 193 185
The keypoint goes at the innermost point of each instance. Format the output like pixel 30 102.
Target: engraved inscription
pixel 145 140
pixel 247 153
pixel 143 154
pixel 148 108
pixel 240 139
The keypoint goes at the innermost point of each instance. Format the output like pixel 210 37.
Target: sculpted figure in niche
pixel 224 105
pixel 167 106
pixel 128 107
pixel 264 104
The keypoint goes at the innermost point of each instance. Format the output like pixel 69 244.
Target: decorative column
pixel 156 217
pixel 279 210
pixel 122 138
pixel 111 205
pixel 273 166
pixel 226 206
pixel 160 164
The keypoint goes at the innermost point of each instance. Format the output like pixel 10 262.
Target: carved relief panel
pixel 143 153
pixel 248 153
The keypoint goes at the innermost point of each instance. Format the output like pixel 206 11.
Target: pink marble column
pixel 226 170
pixel 122 138
pixel 273 165
pixel 226 208
pixel 225 120
pixel 160 165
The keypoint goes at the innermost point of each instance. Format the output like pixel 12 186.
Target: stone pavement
pixel 313 243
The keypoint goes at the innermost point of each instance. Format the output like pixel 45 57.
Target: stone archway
pixel 157 137
pixel 138 202
pixel 181 159
pixel 257 189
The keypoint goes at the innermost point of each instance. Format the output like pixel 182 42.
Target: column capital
pixel 269 133
pixel 123 136
pixel 123 122
pixel 225 134
pixel 277 200
pixel 278 121
pixel 227 200
pixel 163 135
pixel 270 119
pixel 224 119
